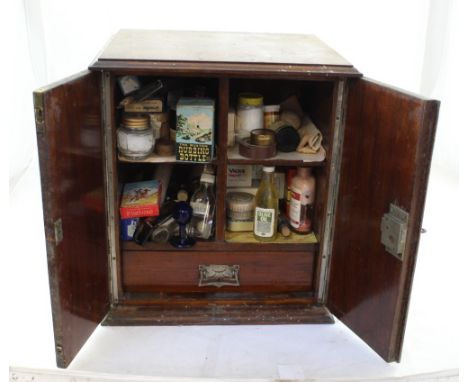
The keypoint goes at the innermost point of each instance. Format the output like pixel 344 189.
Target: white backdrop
pixel 417 45
pixel 409 44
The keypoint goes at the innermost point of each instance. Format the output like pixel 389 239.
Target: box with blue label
pixel 195 130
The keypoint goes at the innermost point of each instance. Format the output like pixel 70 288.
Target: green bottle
pixel 266 207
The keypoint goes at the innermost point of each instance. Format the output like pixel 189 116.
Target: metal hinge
pixel 38 98
pixel 393 229
pixel 58 229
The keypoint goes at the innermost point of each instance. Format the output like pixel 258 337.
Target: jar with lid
pixel 135 137
pixel 249 115
pixel 271 114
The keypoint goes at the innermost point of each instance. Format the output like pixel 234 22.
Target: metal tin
pixel 262 137
pixel 135 121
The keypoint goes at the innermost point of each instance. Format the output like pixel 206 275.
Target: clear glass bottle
pixel 203 205
pixel 266 207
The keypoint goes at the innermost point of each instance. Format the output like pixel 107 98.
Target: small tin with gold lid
pixel 262 137
pixel 135 137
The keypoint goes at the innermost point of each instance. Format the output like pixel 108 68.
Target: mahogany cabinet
pixel 368 210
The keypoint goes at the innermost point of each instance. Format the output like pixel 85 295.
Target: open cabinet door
pixel 68 118
pixel 387 150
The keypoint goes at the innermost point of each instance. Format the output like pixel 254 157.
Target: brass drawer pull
pixel 218 275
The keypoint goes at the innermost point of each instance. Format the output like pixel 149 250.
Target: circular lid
pixel 182 195
pixel 269 168
pixel 287 139
pixel 250 99
pixel 271 108
pixel 135 121
pixel 262 137
pixel 207 178
pixel 240 201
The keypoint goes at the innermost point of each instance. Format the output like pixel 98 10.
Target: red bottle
pixel 302 196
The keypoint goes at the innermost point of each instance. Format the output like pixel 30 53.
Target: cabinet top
pixel 224 51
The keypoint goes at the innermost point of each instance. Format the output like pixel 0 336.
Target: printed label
pixel 199 209
pixel 131 228
pixel 294 207
pixel 264 222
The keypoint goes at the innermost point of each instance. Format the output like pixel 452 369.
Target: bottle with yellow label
pixel 266 207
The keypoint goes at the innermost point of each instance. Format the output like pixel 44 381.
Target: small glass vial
pixel 271 114
pixel 203 205
pixel 135 137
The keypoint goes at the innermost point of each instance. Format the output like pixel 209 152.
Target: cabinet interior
pixel 159 272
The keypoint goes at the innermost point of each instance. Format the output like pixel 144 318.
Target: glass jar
pixel 249 114
pixel 271 114
pixel 135 137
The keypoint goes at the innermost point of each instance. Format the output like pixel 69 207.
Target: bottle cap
pixel 207 178
pixel 182 195
pixel 269 168
pixel 250 99
pixel 271 108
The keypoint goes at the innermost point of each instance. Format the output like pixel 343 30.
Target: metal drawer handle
pixel 218 275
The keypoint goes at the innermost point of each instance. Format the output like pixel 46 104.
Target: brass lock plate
pixel 393 229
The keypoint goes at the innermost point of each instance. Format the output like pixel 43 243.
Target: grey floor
pixel 272 352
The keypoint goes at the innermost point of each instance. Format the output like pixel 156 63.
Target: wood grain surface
pixel 219 315
pixel 178 271
pixel 70 156
pixel 199 46
pixel 386 159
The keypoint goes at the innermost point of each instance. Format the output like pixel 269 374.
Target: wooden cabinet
pixel 378 143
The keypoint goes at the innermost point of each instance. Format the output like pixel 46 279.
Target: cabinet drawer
pixel 145 271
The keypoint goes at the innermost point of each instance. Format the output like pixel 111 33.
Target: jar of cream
pixel 249 114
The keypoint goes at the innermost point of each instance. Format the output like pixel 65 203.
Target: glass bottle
pixel 266 207
pixel 203 205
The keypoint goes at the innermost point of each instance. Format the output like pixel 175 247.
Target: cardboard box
pixel 195 130
pixel 239 175
pixel 140 199
pixel 147 106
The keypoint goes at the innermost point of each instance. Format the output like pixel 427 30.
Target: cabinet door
pixel 68 125
pixel 387 150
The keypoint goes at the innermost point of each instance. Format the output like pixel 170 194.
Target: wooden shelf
pixel 239 242
pixel 281 159
pixel 155 158
pixel 248 237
